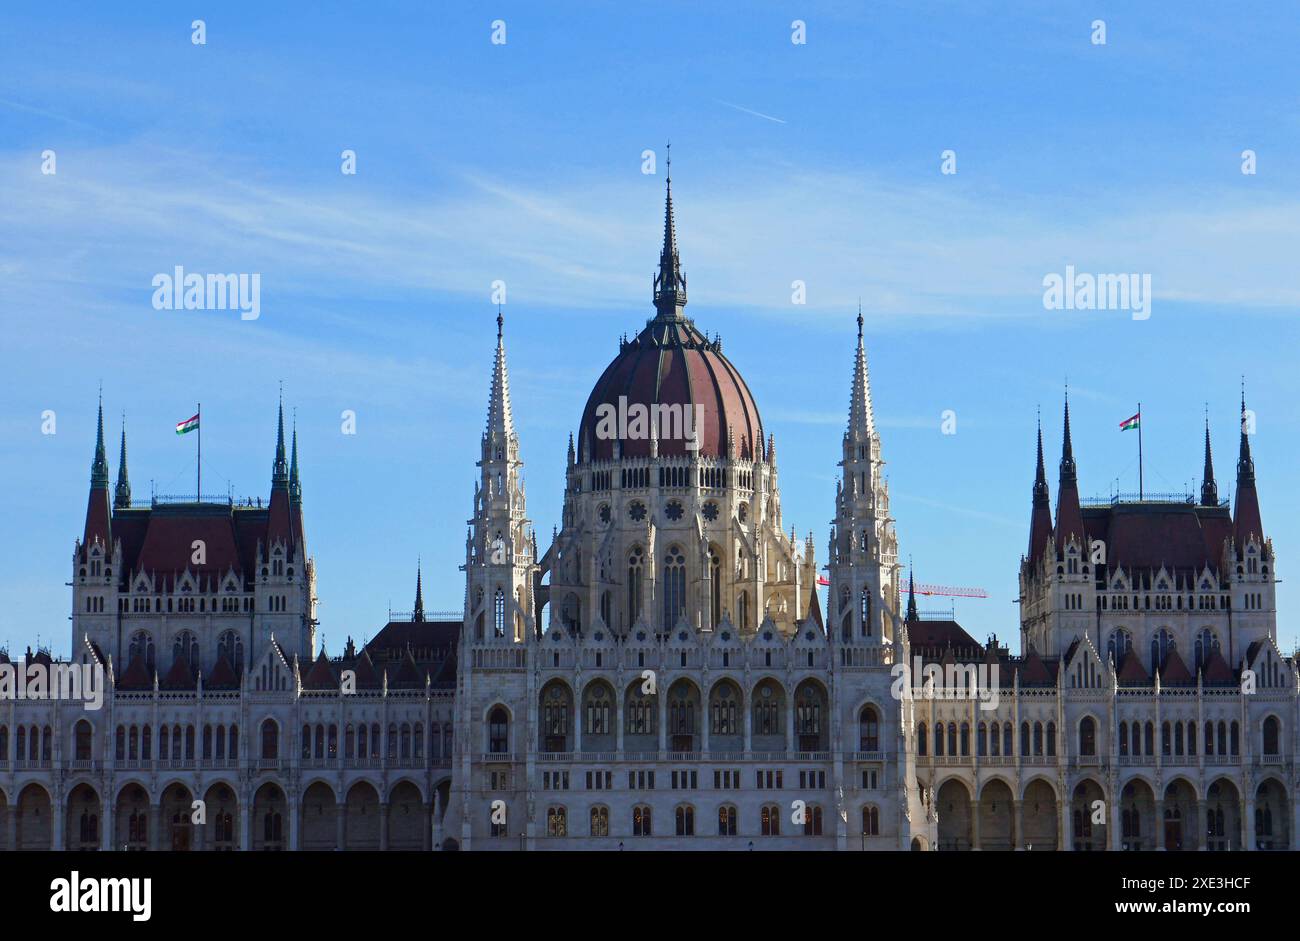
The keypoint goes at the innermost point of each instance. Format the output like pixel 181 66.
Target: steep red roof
pixel 223 676
pixel 1131 671
pixel 1034 672
pixel 321 675
pixel 137 675
pixel 1185 538
pixel 1216 671
pixel 942 634
pixel 179 677
pixel 1175 672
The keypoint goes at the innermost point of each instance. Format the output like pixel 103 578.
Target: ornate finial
pixel 859 318
pixel 669 148
pixel 501 322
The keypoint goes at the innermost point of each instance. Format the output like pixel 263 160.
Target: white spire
pixel 862 419
pixel 501 421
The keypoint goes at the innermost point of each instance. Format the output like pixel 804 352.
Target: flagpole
pixel 198 497
pixel 1140 488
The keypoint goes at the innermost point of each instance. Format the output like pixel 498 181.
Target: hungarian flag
pixel 188 425
pixel 1130 423
pixel 823 581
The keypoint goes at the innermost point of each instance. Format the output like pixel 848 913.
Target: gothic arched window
pixel 635 570
pixel 674 587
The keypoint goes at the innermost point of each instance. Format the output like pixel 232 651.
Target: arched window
pixel 231 646
pixel 921 740
pixel 598 709
pixel 770 820
pixel 1118 644
pixel 812 821
pixel 685 819
pixel 84 741
pixel 870 821
pixel 270 739
pixel 742 609
pixel 674 588
pixel 846 614
pixel 556 821
pixel 1087 736
pixel 142 645
pixel 727 821
pixel 1206 643
pixel 723 710
pixel 1272 730
pixel 1161 646
pixel 635 575
pixel 600 821
pixel 641 822
pixel 186 648
pixel 864 611
pixel 869 730
pixel 498 731
pixel 499 614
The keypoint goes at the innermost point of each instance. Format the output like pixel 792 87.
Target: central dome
pixel 672 365
pixel 673 378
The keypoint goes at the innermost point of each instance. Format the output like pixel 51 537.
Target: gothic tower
pixel 864 548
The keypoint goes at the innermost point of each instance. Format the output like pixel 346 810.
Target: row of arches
pixel 1180 819
pixel 767 718
pixel 642 821
pixel 360 821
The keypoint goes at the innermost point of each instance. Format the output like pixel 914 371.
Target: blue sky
pixel 522 162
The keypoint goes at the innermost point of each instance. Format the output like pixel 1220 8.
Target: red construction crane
pixel 924 589
pixel 948 591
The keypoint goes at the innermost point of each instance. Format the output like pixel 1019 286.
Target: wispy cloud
pixel 757 114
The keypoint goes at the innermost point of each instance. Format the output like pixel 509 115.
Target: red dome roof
pixel 670 363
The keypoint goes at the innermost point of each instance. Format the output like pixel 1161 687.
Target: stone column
pixel 108 827
pixel 1115 832
pixel 1160 825
pixel 341 816
pixel 975 825
pixel 1198 825
pixel 155 826
pixel 1018 840
pixel 59 811
pixel 1248 824
pixel 295 820
pixel 383 826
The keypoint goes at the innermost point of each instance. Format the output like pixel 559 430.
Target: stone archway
pixel 1089 817
pixel 1179 828
pixel 362 826
pixel 954 815
pixel 1137 808
pixel 131 819
pixel 319 812
pixel 221 833
pixel 996 818
pixel 270 819
pixel 35 825
pixel 1039 813
pixel 83 822
pixel 1221 821
pixel 1272 824
pixel 177 806
pixel 408 818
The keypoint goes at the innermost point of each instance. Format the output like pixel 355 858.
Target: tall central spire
pixel 670 283
pixel 862 418
pixel 501 421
